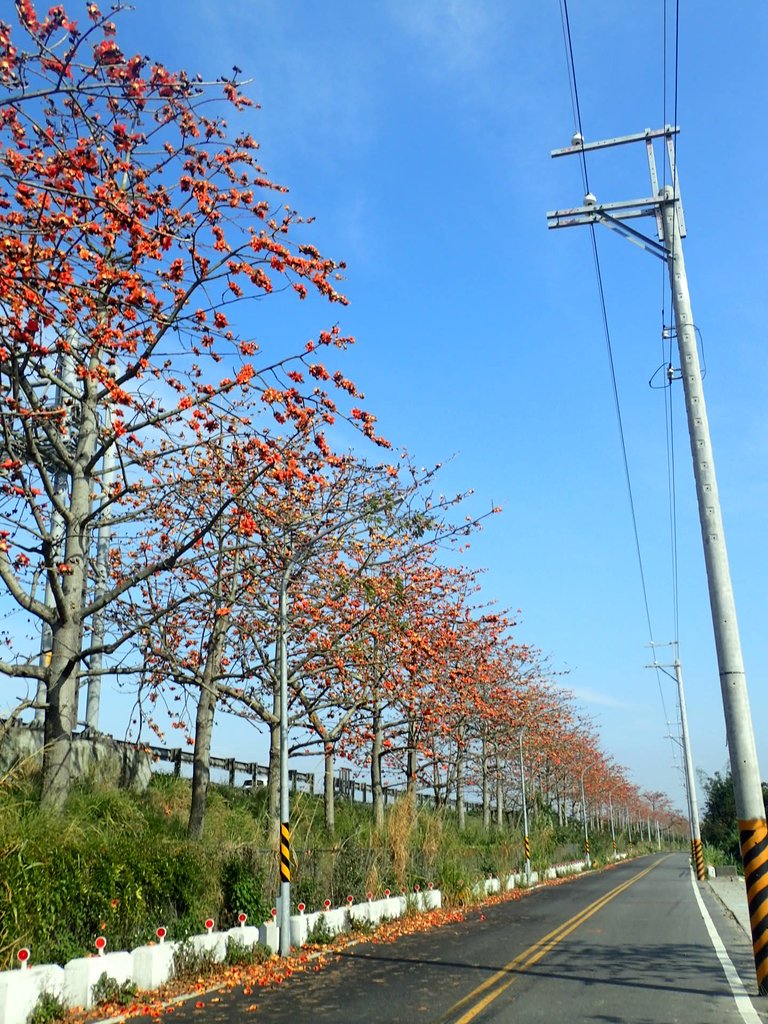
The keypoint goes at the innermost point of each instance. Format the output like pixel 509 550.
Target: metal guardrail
pixel 344 785
pixel 177 756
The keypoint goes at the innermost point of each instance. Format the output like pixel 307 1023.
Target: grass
pixel 119 864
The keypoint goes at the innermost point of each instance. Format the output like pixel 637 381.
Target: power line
pixel 565 19
pixel 566 22
pixel 667 334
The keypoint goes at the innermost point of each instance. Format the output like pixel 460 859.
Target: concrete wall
pixel 92 756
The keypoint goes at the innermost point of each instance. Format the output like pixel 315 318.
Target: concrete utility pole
pixel 584 816
pixel 526 839
pixel 285 799
pixel 613 826
pixel 666 207
pixel 690 779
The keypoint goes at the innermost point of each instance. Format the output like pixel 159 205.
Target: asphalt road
pixel 625 946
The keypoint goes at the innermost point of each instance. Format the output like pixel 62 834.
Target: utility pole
pixel 613 826
pixel 584 816
pixel 285 799
pixel 526 839
pixel 666 207
pixel 690 779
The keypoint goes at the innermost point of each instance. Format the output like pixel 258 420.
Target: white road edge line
pixel 743 1003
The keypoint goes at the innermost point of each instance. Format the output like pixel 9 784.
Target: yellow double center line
pixel 497 984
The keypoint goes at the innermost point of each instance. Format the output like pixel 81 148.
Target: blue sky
pixel 418 132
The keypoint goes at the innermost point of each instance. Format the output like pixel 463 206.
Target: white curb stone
pixel 153 965
pixel 81 975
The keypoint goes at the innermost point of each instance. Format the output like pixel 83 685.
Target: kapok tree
pixel 401 520
pixel 397 603
pixel 188 621
pixel 317 535
pixel 132 227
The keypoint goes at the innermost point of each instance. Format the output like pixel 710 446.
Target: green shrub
pixel 321 933
pixel 240 955
pixel 361 925
pixel 106 868
pixel 109 990
pixel 48 1010
pixel 190 963
pixel 242 890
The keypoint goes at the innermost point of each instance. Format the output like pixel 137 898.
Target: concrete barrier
pixel 564 870
pixel 19 991
pixel 299 930
pixel 212 942
pixel 153 965
pixel 81 975
pixel 269 936
pixel 50 978
pixel 150 966
pixel 245 935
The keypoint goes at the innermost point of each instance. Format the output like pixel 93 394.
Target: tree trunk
pixel 61 715
pixel 411 764
pixel 206 710
pixel 201 773
pixel 68 571
pixel 330 806
pixel 499 794
pixel 461 811
pixel 206 704
pixel 377 748
pixel 486 785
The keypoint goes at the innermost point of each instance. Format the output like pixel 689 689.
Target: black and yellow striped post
pixel 585 817
pixel 753 836
pixel 613 844
pixel 285 852
pixel 526 842
pixel 698 859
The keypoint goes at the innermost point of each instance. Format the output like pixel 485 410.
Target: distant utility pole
pixel 587 857
pixel 526 838
pixel 690 779
pixel 666 207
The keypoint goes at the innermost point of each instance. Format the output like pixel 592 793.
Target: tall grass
pixel 120 864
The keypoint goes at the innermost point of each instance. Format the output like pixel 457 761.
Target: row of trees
pixel 175 510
